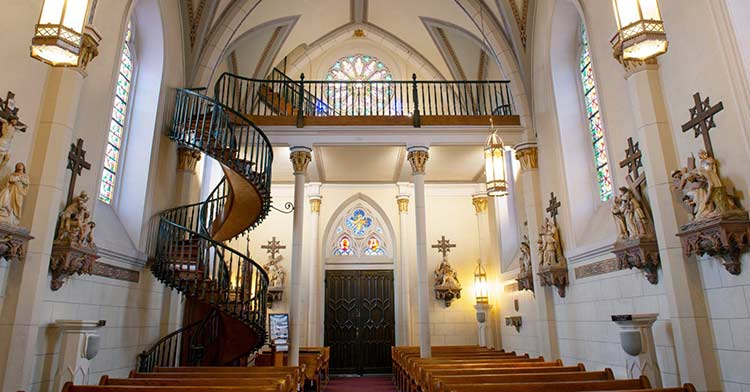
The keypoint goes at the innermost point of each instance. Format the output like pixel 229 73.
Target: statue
pixel 525 276
pixel 704 193
pixel 618 214
pixel 445 277
pixel 76 226
pixel 9 125
pixel 13 194
pixel 276 273
pixel 549 245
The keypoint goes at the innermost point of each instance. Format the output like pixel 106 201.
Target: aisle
pixel 361 384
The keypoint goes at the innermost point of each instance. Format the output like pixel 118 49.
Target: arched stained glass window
pixel 359 233
pixel 594 117
pixel 117 126
pixel 363 86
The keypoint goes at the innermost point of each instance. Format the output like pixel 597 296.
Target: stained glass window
pixel 594 118
pixel 360 86
pixel 359 233
pixel 117 121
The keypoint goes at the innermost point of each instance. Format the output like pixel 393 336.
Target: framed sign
pixel 278 327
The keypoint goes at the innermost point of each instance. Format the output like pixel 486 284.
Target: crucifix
pixel 272 248
pixel 702 120
pixel 76 163
pixel 633 161
pixel 444 246
pixel 554 205
pixel 9 111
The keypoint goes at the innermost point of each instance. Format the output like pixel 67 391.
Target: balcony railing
pixel 280 96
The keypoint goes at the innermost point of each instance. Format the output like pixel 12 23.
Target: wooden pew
pixel 325 353
pixel 273 383
pixel 415 367
pixel 431 373
pixel 684 388
pixel 69 387
pixel 564 386
pixel 444 383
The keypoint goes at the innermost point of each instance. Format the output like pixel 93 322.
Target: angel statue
pixel 13 194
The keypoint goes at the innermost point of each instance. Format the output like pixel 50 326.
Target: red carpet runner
pixel 361 384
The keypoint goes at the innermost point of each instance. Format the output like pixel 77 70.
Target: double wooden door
pixel 359 321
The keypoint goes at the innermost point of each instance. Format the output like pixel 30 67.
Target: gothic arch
pixel 379 228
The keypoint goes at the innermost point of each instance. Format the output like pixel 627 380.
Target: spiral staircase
pixel 225 289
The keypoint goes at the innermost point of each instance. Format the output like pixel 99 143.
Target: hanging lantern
pixel 494 164
pixel 481 289
pixel 640 34
pixel 59 35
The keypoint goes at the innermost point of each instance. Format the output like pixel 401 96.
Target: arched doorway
pixel 359 289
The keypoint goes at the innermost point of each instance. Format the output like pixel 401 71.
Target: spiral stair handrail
pixel 189 253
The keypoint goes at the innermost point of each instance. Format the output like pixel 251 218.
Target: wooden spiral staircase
pixel 227 288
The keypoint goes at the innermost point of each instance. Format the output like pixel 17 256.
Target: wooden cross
pixel 444 246
pixel 554 205
pixel 633 161
pixel 702 120
pixel 76 163
pixel 272 248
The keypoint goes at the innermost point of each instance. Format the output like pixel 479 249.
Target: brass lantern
pixel 59 35
pixel 481 289
pixel 640 30
pixel 494 164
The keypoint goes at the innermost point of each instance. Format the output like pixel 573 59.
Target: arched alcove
pixel 359 236
pixel 586 206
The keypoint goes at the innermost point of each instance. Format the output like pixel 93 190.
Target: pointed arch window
pixel 359 233
pixel 594 119
pixel 117 123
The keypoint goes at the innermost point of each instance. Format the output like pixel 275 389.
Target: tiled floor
pixel 361 384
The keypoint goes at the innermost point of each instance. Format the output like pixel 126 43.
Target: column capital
pixel 403 203
pixel 187 159
pixel 417 156
pixel 315 201
pixel 633 66
pixel 527 154
pixel 480 201
pixel 300 157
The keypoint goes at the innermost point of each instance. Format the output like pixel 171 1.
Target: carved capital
pixel 300 157
pixel 418 157
pixel 633 66
pixel 187 159
pixel 526 153
pixel 480 203
pixel 725 237
pixel 89 47
pixel 640 253
pixel 315 204
pixel 403 203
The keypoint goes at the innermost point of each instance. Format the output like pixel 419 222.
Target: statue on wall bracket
pixel 525 276
pixel 14 239
pixel 74 250
pixel 447 287
pixel 636 245
pixel 275 271
pixel 553 267
pixel 718 226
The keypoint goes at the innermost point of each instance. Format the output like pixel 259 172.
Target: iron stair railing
pixel 185 255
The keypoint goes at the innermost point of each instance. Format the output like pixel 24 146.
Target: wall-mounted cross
pixel 702 120
pixel 633 161
pixel 76 163
pixel 272 248
pixel 554 205
pixel 444 246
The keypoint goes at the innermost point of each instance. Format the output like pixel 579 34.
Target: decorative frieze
pixel 598 268
pixel 114 272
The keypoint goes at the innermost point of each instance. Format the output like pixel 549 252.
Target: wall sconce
pixel 494 164
pixel 62 37
pixel 640 30
pixel 481 288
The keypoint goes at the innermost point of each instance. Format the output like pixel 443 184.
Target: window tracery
pixel 359 233
pixel 361 97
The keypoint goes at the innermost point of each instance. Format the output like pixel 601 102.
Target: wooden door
pixel 359 321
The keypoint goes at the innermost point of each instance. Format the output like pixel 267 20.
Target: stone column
pixel 28 281
pixel 417 157
pixel 300 157
pixel 691 327
pixel 526 153
pixel 403 311
pixel 315 318
pixel 486 326
pixel 80 344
